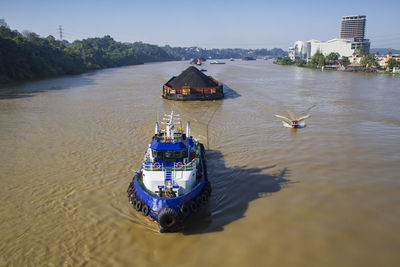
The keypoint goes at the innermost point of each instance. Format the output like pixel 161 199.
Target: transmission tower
pixel 60 32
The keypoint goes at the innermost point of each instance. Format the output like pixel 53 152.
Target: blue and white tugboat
pixel 172 183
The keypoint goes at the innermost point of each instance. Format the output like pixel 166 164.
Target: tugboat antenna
pixel 188 129
pixel 156 128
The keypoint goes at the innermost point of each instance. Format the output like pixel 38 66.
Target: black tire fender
pixel 138 205
pixel 168 219
pixel 185 209
pixel 145 210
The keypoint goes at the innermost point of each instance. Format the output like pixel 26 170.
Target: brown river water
pixel 324 195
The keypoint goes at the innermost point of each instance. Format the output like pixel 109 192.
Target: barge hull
pixel 180 97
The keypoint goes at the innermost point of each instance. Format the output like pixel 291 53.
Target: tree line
pixel 27 55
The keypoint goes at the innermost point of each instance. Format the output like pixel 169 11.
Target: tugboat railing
pixel 153 166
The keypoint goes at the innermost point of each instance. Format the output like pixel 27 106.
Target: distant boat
pixel 248 58
pixel 293 122
pixel 196 61
pixel 216 62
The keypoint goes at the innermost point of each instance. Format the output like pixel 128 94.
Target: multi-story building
pixel 352 27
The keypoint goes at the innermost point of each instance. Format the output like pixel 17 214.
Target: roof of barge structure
pixel 192 77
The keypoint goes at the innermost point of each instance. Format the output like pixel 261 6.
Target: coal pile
pixel 192 77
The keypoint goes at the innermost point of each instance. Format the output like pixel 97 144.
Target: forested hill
pixel 26 56
pixel 29 56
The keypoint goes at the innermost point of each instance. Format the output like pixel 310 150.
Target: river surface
pixel 324 195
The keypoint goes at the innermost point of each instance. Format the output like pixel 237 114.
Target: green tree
pixel 393 63
pixel 3 23
pixel 345 60
pixel 369 60
pixel 321 61
pixel 285 61
pixel 301 63
pixel 332 57
pixel 317 60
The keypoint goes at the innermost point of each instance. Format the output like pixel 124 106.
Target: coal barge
pixel 192 84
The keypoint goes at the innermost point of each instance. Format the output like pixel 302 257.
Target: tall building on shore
pixel 352 27
pixel 351 40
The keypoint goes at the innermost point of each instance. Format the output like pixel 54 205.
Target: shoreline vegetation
pixel 26 55
pixel 333 61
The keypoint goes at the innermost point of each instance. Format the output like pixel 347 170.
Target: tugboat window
pixel 169 154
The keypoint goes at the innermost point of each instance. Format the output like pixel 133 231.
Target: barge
pixel 192 84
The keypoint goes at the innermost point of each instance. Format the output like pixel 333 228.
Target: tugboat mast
pixel 170 126
pixel 188 129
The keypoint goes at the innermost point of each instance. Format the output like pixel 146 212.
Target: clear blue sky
pixel 207 23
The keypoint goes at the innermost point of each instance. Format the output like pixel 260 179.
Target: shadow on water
pixel 232 191
pixel 30 88
pixel 229 93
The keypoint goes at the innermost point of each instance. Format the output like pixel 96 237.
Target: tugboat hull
pixel 170 213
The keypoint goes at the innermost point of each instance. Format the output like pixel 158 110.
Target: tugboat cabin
pixel 170 162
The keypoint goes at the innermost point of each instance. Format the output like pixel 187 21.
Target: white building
pixel 305 50
pixel 341 46
pixel 300 50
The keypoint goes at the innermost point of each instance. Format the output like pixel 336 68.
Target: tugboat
pixel 216 62
pixel 171 184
